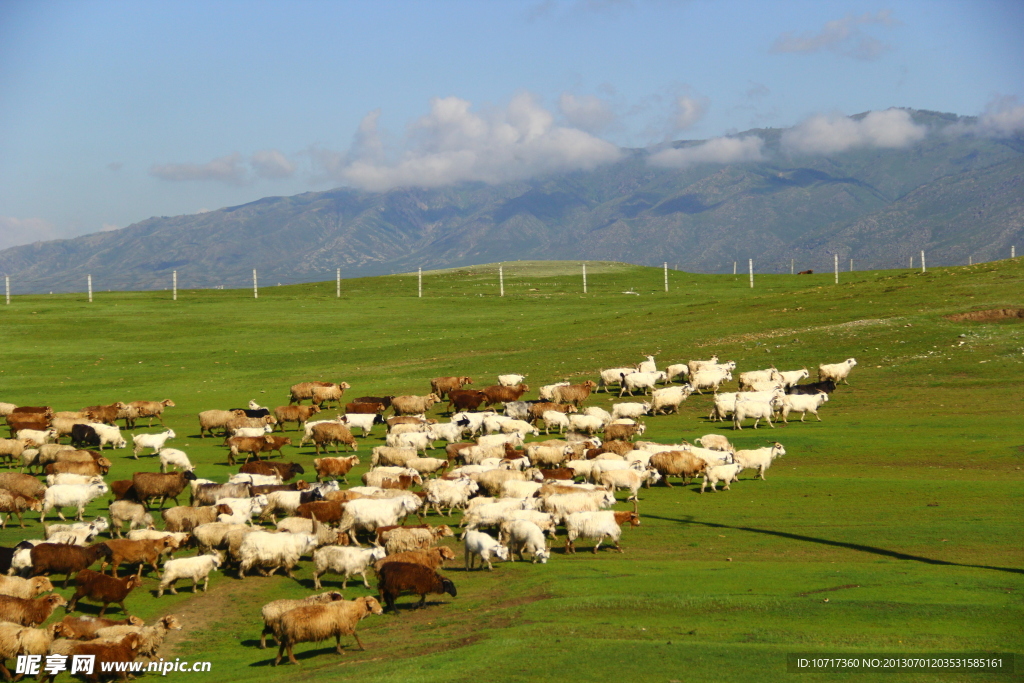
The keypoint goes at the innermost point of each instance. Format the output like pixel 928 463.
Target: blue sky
pixel 112 112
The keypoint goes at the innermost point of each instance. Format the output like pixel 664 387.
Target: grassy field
pixel 894 525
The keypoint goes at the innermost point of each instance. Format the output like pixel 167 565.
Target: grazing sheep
pixel 519 535
pixel 174 458
pixel 479 544
pixel 154 441
pixel 836 372
pixel 313 623
pixel 346 561
pixel 399 577
pixel 196 568
pixel 29 612
pixel 273 611
pixel 716 442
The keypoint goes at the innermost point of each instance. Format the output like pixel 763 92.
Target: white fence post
pixel 733 267
pixel 255 287
pixel 970 260
pixel 7 288
pixel 751 264
pixel 419 283
pixel 666 276
pixel 835 258
pixel 792 264
pixel 338 288
pixel 501 279
pixel 923 269
pixel 584 278
pixel 911 262
pixel 89 281
pixel 851 265
pixel 1013 251
pixel 174 285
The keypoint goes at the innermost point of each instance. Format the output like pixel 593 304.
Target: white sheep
pixel 803 404
pixel 425 466
pixel 612 376
pixel 514 439
pixel 451 494
pixel 556 419
pixel 628 478
pixel 377 475
pixel 172 457
pixel 640 380
pixel 544 520
pixel 492 423
pixel 717 473
pixel 647 366
pixel 522 535
pixel 266 550
pixel 255 479
pixel 108 434
pixel 546 392
pixel 520 427
pixel 196 568
pixel 758 458
pixel 391 455
pixel 676 371
pixel 709 378
pixel 364 421
pixel 479 544
pixel 791 377
pixel 71 495
pixel 668 399
pixel 510 380
pixel 79 533
pixel 346 561
pixel 630 410
pixel 449 432
pixel 599 525
pixel 366 514
pixel 562 504
pixel 515 488
pixel 837 372
pixel 519 410
pixel 154 441
pixel 69 478
pixel 37 436
pixel 757 409
pixel 716 442
pixel 472 422
pixel 258 431
pixel 587 424
pixel 596 411
pixel 243 509
pixel 418 441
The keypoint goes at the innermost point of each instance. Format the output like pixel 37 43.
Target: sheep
pixel 717 473
pixel 40 437
pixel 709 378
pixel 668 399
pixel 449 493
pixel 102 588
pixel 694 365
pixel 207 494
pixel 13 448
pixel 314 390
pixel 30 458
pixel 756 409
pixel 575 394
pixel 154 441
pixel 518 410
pixel 196 568
pixel 554 418
pixel 142 552
pixel 802 404
pixel 242 509
pixel 623 431
pixel 183 518
pixel 217 535
pixel 6 409
pixel 327 511
pixel 640 380
pixel 612 376
pixel 313 623
pixel 511 380
pixel 479 544
pixel 284 470
pixel 673 372
pixel 836 372
pixel 27 589
pixel 431 558
pixel 105 656
pixel 376 476
pixel 425 466
pixel 29 612
pixel 172 457
pixel 298 414
pixel 547 392
pixel 401 539
pixel 399 577
pixel 519 535
pixel 216 419
pixel 748 380
pixel 709 456
pixel 17 641
pixel 630 410
pixel 828 386
pixel 265 550
pixel 335 467
pixel 86 628
pixel 562 504
pixel 723 405
pixel 758 458
pixel 600 525
pixel 367 514
pixel 71 495
pixel 108 435
pixel 716 442
pixel 258 431
pixel 442 385
pixel 332 433
pixel 288 502
pixel 364 421
pixel 628 479
pixel 14 504
pixel 791 377
pixel 149 485
pixel 149 409
pixel 392 455
pixel 273 611
pixel 250 480
pixel 346 561
pixel 150 637
pixel 412 405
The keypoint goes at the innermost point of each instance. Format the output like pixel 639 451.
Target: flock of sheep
pixel 521 491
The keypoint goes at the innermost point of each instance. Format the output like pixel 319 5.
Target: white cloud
pixel 828 134
pixel 271 164
pixel 687 111
pixel 453 144
pixel 227 169
pixel 1003 117
pixel 715 151
pixel 844 37
pixel 587 112
pixel 107 227
pixel 18 231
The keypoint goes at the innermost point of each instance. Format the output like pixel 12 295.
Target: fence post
pixel 792 263
pixel 255 287
pixel 751 264
pixel 419 282
pixel 970 260
pixel 89 281
pixel 584 278
pixel 733 267
pixel 923 269
pixel 835 257
pixel 174 285
pixel 911 262
pixel 1013 251
pixel 338 288
pixel 851 265
pixel 7 288
pixel 666 276
pixel 501 279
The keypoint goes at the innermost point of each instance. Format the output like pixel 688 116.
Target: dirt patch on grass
pixel 828 590
pixel 986 316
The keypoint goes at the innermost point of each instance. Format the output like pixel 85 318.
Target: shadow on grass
pixel 838 544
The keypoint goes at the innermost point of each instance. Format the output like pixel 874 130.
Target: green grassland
pixel 894 525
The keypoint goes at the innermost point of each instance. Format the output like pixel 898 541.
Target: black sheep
pixel 406 577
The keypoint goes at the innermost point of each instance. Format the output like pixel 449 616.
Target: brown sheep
pixel 273 611
pixel 18 640
pixel 216 419
pixel 331 394
pixel 150 637
pixel 332 433
pixel 29 612
pixel 15 504
pixel 615 432
pixel 252 445
pixel 573 393
pixel 334 467
pixel 208 494
pixel 22 484
pixel 18 587
pixel 184 518
pixel 365 408
pixel 107 653
pixel 11 449
pixel 59 558
pixel 102 588
pixel 431 558
pixel 500 394
pixel 298 414
pixel 286 470
pixel 400 577
pixel 305 390
pixel 85 628
pixel 149 485
pixel 264 489
pixel 465 400
pixel 104 414
pixel 413 405
pixel 123 489
pixel 149 409
pixel 142 552
pixel 313 623
pixel 95 468
pixel 677 464
pixel 326 511
pixel 537 410
pixel 442 385
pixel 135 514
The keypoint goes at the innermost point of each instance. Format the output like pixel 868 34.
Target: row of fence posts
pixel 501 276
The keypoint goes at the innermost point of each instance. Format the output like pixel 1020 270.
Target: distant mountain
pixel 952 196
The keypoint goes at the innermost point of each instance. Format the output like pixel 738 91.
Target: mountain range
pixel 953 196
